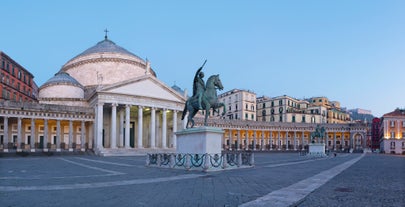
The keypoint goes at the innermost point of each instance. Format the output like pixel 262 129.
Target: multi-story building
pixel 240 104
pixel 392 132
pixel 17 83
pixel 287 109
pixel 375 134
pixel 335 115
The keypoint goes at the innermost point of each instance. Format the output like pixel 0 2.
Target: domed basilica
pixel 106 99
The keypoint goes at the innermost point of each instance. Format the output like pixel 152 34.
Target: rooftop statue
pixel 204 97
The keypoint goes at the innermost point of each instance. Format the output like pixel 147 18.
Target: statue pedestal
pixel 316 149
pixel 201 140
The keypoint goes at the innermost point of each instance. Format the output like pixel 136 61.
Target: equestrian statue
pixel 204 97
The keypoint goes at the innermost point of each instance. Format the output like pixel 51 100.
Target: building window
pixel 272 118
pixel 280 109
pixel 312 119
pixel 246 116
pixel 303 119
pixel 19 75
pixel 236 116
pixel 293 119
pixel 392 135
pixel 264 105
pixel 253 117
pixel 280 102
pixel 246 107
pixel 236 107
pixel 252 107
pixel 272 103
pixel 403 135
pixel 272 111
pixel 281 119
pixel 392 145
pixel 392 123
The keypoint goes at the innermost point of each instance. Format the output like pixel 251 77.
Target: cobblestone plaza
pixel 277 179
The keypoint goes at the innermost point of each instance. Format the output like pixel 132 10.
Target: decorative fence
pixel 205 162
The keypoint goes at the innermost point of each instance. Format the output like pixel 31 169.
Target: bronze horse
pixel 209 101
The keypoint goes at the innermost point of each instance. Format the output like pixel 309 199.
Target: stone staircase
pixel 121 152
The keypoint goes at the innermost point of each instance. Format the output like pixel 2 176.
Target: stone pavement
pixel 278 179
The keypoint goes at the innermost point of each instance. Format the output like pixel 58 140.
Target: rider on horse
pixel 199 85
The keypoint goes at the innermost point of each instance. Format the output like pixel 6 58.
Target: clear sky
pixel 352 51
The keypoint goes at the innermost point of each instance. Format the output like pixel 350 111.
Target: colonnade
pixel 281 139
pixel 45 131
pixel 154 126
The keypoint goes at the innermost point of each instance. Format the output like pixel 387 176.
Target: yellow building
pixel 335 115
pixel 287 109
pixel 240 104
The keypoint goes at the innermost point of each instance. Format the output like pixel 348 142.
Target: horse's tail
pixel 184 110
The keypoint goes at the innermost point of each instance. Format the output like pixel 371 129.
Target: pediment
pixel 145 86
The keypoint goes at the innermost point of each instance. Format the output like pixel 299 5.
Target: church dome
pixel 106 63
pixel 62 85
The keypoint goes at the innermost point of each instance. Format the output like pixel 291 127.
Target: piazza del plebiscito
pixel 109 101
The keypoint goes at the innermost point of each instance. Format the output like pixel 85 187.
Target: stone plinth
pixel 316 149
pixel 201 140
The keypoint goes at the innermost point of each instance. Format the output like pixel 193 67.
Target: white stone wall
pixel 65 102
pixel 61 91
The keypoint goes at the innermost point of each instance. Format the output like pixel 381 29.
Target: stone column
pixel 295 140
pixel 262 142
pixel 286 140
pixel 140 126
pixel 5 130
pixel 46 132
pixel 82 136
pixel 302 140
pixel 153 128
pixel 254 139
pixel 70 135
pixel 278 141
pixel 127 118
pixel 164 129
pixel 58 134
pixel 247 139
pixel 334 141
pixel 121 130
pixel 113 138
pixel 230 140
pixel 174 140
pixel 32 138
pixel 19 133
pixel 271 140
pixel 343 140
pixel 99 124
pixel 238 147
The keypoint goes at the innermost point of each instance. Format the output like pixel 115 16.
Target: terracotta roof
pixel 397 113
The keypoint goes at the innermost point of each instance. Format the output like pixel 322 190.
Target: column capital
pixel 114 104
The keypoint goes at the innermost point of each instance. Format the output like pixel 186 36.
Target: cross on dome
pixel 106 31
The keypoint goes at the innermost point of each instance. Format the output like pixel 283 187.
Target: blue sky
pixel 349 51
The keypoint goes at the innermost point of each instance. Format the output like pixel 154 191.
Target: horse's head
pixel 218 83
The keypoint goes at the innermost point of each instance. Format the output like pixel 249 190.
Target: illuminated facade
pixel 392 132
